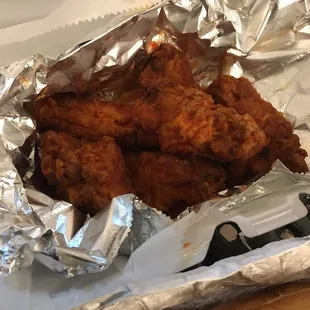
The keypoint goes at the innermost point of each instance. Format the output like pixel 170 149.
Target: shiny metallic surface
pixel 57 234
pixel 146 223
pixel 266 41
pixel 285 181
pixel 83 245
pixel 221 282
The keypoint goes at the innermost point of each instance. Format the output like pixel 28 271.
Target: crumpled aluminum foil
pixel 257 39
pixel 146 223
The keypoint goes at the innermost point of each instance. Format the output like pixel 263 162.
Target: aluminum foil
pixel 257 39
pixel 202 288
pixel 146 223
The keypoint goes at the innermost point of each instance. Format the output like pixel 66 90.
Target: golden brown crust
pixel 284 145
pixel 170 183
pixel 87 118
pixel 187 122
pixel 241 95
pixel 86 174
pixel 168 62
pixel 166 101
pixel 168 113
pixel 217 132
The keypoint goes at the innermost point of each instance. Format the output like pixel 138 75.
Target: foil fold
pixel 73 245
pixel 56 234
pixel 146 223
pixel 276 263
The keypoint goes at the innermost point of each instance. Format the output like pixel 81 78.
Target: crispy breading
pixel 170 183
pixel 168 62
pixel 188 123
pixel 241 95
pixel 218 133
pixel 165 102
pixel 87 174
pixel 87 118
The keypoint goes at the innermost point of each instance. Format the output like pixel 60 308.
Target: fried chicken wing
pixel 284 145
pixel 218 133
pixel 87 118
pixel 168 62
pixel 86 174
pixel 170 184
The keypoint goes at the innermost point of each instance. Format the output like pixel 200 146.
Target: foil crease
pixel 146 223
pixel 258 39
pixel 34 226
pixel 74 245
pixel 204 287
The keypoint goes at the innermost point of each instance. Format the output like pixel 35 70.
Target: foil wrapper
pixel 204 287
pixel 265 41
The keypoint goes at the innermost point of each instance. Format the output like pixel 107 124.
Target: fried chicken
pixel 165 102
pixel 241 95
pixel 188 123
pixel 87 118
pixel 168 62
pixel 86 174
pixel 284 145
pixel 171 184
pixel 218 133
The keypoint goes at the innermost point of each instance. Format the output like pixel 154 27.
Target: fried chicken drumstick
pixel 86 174
pixel 170 183
pixel 284 145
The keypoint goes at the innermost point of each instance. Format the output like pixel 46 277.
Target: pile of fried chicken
pixel 174 146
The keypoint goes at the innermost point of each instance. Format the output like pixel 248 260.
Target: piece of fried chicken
pixel 165 102
pixel 284 145
pixel 168 62
pixel 87 118
pixel 170 183
pixel 86 174
pixel 187 122
pixel 218 133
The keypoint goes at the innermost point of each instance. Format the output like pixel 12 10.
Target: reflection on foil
pixel 56 234
pixel 146 223
pixel 206 286
pixel 256 39
pixel 83 245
